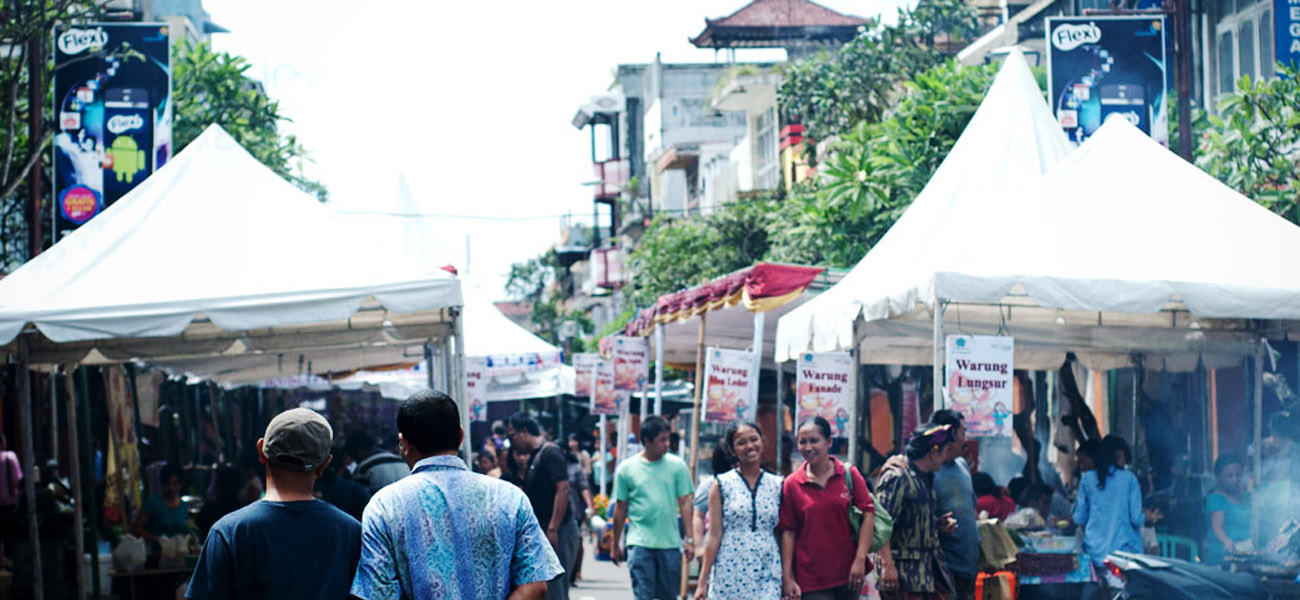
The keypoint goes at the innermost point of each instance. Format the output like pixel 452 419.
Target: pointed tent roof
pixel 216 242
pixel 1119 249
pixel 1011 139
pixel 778 23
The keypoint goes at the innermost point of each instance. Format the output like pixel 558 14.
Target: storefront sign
pixel 980 374
pixel 823 390
pixel 604 400
pixel 112 96
pixel 729 379
pixel 584 372
pixel 631 363
pixel 476 381
pixel 1107 65
pixel 1286 17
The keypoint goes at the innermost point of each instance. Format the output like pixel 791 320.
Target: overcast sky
pixel 470 101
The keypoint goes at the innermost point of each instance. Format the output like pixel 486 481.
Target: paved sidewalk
pixel 601 580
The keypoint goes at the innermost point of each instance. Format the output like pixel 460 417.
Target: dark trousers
pixel 569 542
pixel 965 585
pixel 656 573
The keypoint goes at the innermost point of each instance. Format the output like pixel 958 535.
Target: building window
pixel 767 167
pixel 1267 56
pixel 1226 72
pixel 1246 50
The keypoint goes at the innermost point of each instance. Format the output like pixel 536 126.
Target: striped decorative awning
pixel 759 288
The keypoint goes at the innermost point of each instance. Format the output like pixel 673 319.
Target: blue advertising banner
pixel 112 100
pixel 1286 15
pixel 1100 66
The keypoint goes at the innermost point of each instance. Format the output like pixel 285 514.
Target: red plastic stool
pixel 1007 575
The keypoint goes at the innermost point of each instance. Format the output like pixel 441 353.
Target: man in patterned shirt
pixel 912 564
pixel 444 531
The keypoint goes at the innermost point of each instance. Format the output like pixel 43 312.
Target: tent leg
pixel 29 466
pixel 428 364
pixel 780 417
pixel 940 398
pixel 457 357
pixel 1257 393
pixel 855 389
pixel 659 369
pixel 604 445
pixel 74 451
pixel 695 424
pixel 760 321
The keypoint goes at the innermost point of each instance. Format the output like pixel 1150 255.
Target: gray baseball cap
pixel 297 439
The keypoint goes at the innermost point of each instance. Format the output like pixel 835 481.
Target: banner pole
pixel 78 511
pixel 940 398
pixel 855 388
pixel 659 368
pixel 29 466
pixel 760 322
pixel 695 426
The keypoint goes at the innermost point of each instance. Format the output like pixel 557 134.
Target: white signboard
pixel 631 363
pixel 584 371
pixel 823 390
pixel 980 373
pixel 729 379
pixel 604 400
pixel 476 381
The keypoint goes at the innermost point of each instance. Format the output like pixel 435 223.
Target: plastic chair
pixel 1176 546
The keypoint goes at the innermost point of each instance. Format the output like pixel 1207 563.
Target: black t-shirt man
pixel 285 550
pixel 547 468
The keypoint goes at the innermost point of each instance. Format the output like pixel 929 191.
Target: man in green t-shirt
pixel 650 489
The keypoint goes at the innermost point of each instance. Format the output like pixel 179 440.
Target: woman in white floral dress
pixel 742 560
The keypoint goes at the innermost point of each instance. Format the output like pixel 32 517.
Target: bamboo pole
pixel 695 427
pixel 74 451
pixel 29 465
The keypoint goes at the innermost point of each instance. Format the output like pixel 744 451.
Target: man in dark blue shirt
pixel 288 545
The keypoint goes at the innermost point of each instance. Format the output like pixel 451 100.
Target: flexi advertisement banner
pixel 631 363
pixel 604 400
pixel 584 373
pixel 1108 65
pixel 823 390
pixel 476 381
pixel 980 373
pixel 1286 17
pixel 113 107
pixel 728 377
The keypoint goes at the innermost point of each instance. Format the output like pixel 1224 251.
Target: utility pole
pixel 1183 55
pixel 35 127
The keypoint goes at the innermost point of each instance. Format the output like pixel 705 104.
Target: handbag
pixel 884 528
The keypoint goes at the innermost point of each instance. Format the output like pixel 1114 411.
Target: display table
pixel 1035 568
pixel 176 575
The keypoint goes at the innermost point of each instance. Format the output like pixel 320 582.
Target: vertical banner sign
pixel 911 405
pixel 604 400
pixel 476 381
pixel 1286 17
pixel 631 363
pixel 823 390
pixel 728 377
pixel 1108 65
pixel 584 373
pixel 113 106
pixel 122 475
pixel 980 370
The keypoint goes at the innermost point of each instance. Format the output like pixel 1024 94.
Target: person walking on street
pixel 954 489
pixel 742 560
pixel 912 564
pixel 820 558
pixel 444 531
pixel 289 544
pixel 651 488
pixel 376 468
pixel 580 502
pixel 546 483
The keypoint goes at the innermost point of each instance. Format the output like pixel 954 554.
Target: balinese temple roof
pixel 778 24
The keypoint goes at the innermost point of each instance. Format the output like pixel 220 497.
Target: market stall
pixel 215 256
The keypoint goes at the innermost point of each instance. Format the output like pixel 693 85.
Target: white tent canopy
pixel 215 255
pixel 1120 249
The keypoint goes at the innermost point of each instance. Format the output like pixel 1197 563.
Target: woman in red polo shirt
pixel 820 558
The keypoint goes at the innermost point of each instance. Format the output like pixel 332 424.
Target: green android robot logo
pixel 128 159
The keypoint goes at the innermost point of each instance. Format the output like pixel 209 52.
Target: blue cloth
pixel 656 572
pixel 1236 523
pixel 445 532
pixel 1112 517
pixel 291 550
pixel 164 520
pixel 952 487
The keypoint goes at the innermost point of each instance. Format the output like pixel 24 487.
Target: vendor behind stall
pixel 1228 507
pixel 164 513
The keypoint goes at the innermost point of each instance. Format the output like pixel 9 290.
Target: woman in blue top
pixel 1109 508
pixel 164 513
pixel 1228 508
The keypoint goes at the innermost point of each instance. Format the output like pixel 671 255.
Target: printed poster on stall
pixel 604 400
pixel 122 475
pixel 980 370
pixel 729 382
pixel 631 363
pixel 584 371
pixel 476 381
pixel 1099 66
pixel 823 390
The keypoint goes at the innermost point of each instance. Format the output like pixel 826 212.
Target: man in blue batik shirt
pixel 444 531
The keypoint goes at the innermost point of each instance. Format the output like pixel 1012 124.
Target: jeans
pixel 569 542
pixel 656 572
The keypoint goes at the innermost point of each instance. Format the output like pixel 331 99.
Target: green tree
pixel 1252 144
pixel 213 87
pixel 534 281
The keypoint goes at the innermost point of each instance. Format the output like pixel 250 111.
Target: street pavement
pixel 601 580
